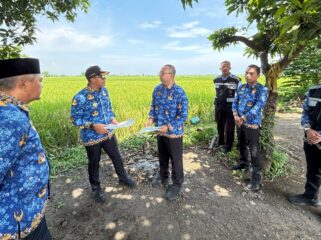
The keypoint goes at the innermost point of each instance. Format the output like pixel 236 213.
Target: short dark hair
pixel 256 67
pixel 226 62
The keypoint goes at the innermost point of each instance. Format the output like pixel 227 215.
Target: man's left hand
pixel 114 121
pixel 164 129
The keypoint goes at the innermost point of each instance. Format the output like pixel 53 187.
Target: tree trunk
pixel 266 137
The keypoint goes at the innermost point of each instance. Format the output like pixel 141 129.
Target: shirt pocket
pixel 312 102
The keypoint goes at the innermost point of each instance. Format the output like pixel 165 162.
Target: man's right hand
pixel 149 122
pixel 238 121
pixel 313 136
pixel 100 128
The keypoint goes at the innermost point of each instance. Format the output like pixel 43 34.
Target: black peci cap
pixel 94 71
pixel 19 66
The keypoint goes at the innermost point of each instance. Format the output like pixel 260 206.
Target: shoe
pixel 98 196
pixel 218 146
pixel 172 192
pixel 157 181
pixel 225 149
pixel 129 182
pixel 301 200
pixel 253 186
pixel 239 166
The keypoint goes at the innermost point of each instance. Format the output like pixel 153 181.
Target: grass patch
pixel 63 159
pixel 280 166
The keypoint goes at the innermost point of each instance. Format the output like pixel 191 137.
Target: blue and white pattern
pixel 169 107
pixel 92 107
pixel 309 102
pixel 249 102
pixel 24 171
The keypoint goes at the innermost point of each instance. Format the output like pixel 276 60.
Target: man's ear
pixel 21 83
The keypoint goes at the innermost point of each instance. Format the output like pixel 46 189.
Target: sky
pixel 138 37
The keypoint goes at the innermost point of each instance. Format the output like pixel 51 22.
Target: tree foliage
pixel 18 19
pixel 306 69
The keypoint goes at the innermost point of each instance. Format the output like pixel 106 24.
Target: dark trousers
pixel 313 158
pixel 249 146
pixel 110 146
pixel 171 149
pixel 225 127
pixel 41 232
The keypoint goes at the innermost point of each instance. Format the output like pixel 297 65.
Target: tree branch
pixel 286 60
pixel 246 41
pixel 264 62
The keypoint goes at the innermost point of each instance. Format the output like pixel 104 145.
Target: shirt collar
pixel 174 84
pixel 225 77
pixel 91 90
pixel 10 99
pixel 253 86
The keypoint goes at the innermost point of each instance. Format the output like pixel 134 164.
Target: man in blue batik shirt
pixel 169 111
pixel 24 168
pixel 311 123
pixel 91 111
pixel 250 98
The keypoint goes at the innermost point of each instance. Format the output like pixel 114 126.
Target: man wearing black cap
pixel 91 111
pixel 24 168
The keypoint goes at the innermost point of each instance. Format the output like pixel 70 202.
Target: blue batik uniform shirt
pixel 249 102
pixel 90 106
pixel 24 171
pixel 169 107
pixel 309 102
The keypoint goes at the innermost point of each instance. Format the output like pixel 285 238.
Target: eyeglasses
pixel 162 73
pixel 100 76
pixel 250 73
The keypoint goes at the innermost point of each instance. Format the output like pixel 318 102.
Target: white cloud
pixel 218 12
pixel 153 24
pixel 188 30
pixel 64 38
pixel 176 46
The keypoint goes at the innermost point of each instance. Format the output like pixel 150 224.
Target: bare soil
pixel 213 204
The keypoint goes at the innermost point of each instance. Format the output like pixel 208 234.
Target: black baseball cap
pixel 94 71
pixel 19 66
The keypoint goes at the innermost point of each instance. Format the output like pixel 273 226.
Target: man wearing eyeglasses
pixel 169 111
pixel 91 111
pixel 250 98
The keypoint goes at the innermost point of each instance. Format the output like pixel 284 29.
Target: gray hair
pixel 10 83
pixel 171 67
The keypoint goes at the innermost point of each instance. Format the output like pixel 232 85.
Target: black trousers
pixel 110 146
pixel 225 127
pixel 41 232
pixel 249 146
pixel 313 158
pixel 171 149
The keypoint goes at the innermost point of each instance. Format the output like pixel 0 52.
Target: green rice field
pixel 130 95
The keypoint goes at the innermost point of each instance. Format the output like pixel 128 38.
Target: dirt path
pixel 213 204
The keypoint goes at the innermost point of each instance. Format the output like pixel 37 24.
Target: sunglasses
pixel 100 76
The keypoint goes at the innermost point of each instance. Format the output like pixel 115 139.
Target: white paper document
pixel 124 124
pixel 150 129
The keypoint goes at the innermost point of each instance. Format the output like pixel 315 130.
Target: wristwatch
pixel 306 129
